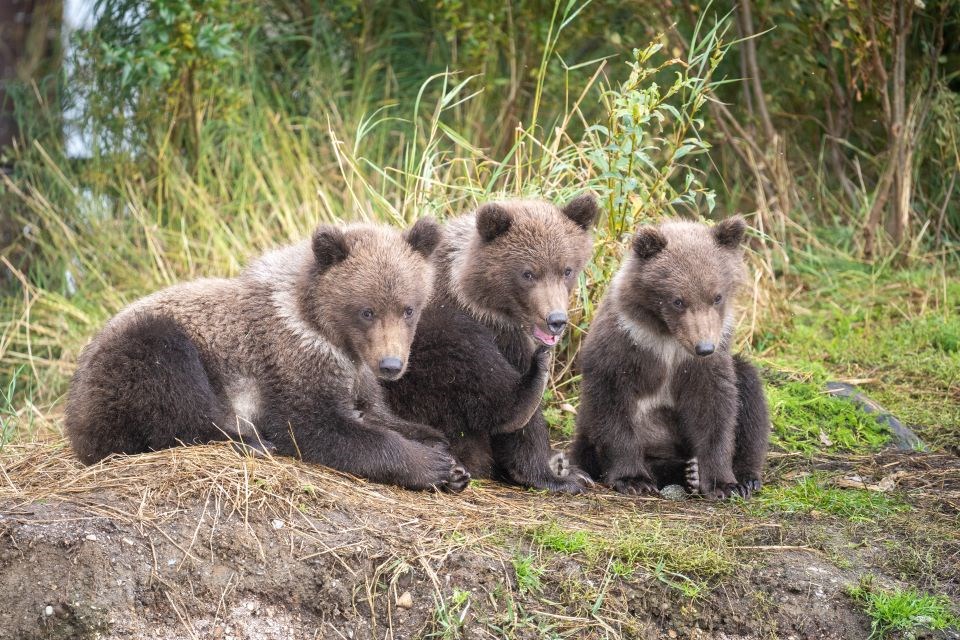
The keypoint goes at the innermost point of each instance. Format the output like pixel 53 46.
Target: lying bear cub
pixel 287 357
pixel 663 400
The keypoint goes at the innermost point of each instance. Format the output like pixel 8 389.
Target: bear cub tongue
pixel 545 337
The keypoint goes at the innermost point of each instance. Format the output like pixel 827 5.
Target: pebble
pixel 405 601
pixel 673 492
pixel 277 524
pixel 48 611
pixel 91 537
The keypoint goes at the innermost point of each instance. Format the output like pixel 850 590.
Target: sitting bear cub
pixel 663 400
pixel 287 357
pixel 480 361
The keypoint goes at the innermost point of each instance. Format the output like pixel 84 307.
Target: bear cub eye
pixel 367 314
pixel 528 275
pixel 678 303
pixel 408 312
pixel 718 299
pixel 567 272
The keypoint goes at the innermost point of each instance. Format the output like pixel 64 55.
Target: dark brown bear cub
pixel 479 362
pixel 663 400
pixel 287 356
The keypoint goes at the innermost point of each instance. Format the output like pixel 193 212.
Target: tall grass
pixel 268 174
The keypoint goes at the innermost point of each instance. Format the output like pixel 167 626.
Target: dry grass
pixel 591 552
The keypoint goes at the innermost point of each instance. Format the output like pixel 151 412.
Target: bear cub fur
pixel 286 357
pixel 663 400
pixel 480 360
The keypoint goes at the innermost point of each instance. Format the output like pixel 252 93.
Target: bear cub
pixel 480 360
pixel 663 400
pixel 286 357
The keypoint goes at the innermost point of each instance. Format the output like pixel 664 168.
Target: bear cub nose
pixel 704 348
pixel 556 322
pixel 390 366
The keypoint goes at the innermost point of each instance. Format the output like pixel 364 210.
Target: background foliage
pixel 218 129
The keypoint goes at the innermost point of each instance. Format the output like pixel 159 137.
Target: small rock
pixel 91 537
pixel 671 632
pixel 126 541
pixel 673 492
pixel 405 601
pixel 48 611
pixel 277 524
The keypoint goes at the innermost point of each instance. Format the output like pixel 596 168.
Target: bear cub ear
pixel 423 236
pixel 493 220
pixel 329 246
pixel 583 210
pixel 729 233
pixel 648 242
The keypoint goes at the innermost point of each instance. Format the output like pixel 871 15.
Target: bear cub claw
pixel 636 487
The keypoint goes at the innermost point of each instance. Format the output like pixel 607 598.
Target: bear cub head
pixel 367 288
pixel 680 278
pixel 522 261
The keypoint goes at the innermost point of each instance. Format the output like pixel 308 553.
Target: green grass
pixel 893 332
pixel 812 495
pixel 528 573
pixel 555 538
pixel 903 610
pixel 449 615
pixel 686 557
pixel 14 417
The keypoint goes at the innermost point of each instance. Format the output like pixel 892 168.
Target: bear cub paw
pixel 561 467
pixel 560 464
pixel 693 476
pixel 458 480
pixel 722 491
pixel 748 486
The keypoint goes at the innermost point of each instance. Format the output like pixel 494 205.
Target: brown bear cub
pixel 480 360
pixel 287 357
pixel 663 400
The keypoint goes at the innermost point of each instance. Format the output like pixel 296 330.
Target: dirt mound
pixel 202 543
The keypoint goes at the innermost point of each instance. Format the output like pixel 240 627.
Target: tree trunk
pixel 901 131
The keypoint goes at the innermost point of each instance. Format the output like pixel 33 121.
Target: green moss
pixel 805 418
